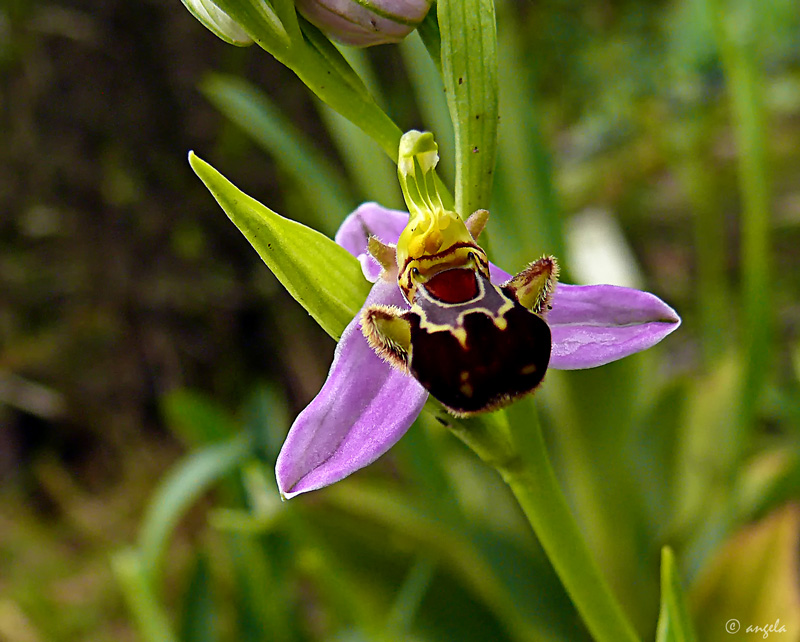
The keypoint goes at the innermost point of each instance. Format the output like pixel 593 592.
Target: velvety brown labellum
pixel 474 345
pixel 480 354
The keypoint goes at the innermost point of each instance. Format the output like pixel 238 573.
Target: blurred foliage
pixel 142 340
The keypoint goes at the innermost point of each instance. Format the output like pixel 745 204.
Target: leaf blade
pixel 674 624
pixel 319 274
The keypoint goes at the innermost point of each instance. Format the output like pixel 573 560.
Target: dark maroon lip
pixel 456 285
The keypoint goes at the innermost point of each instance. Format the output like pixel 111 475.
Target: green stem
pixel 534 484
pixel 324 70
pixel 469 66
pixel 312 69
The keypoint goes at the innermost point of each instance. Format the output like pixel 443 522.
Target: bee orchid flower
pixel 373 392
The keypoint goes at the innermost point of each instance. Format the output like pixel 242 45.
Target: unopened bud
pixel 218 22
pixel 363 23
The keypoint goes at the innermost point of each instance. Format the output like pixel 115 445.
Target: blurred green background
pixel 150 365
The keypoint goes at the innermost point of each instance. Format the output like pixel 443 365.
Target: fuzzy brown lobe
pixel 376 322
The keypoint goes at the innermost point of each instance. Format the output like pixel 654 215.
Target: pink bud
pixel 363 23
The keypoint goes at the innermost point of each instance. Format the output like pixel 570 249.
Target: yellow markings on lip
pixel 500 320
pixel 458 330
pixel 466 389
pixel 528 370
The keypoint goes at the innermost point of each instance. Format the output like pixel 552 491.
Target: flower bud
pixel 363 23
pixel 218 22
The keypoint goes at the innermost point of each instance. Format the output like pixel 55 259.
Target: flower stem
pixel 533 482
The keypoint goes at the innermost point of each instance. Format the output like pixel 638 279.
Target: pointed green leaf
pixel 469 66
pixel 674 624
pixel 322 276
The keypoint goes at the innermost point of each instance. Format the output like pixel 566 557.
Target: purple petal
pixel 498 275
pixel 363 409
pixel 595 324
pixel 370 219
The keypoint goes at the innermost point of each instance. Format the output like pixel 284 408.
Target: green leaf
pixel 264 606
pixel 674 624
pixel 322 276
pixel 179 490
pixel 593 411
pixel 428 31
pixel 737 33
pixel 322 46
pixel 266 417
pixel 709 432
pixel 409 596
pixel 469 65
pixel 330 76
pixel 316 61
